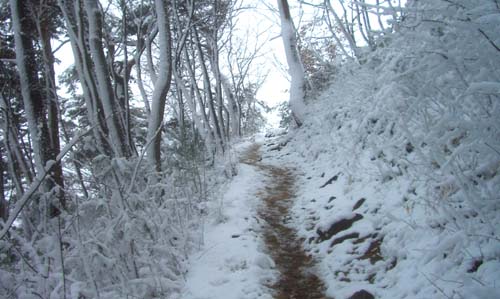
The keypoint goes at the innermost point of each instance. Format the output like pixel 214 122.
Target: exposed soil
pixel 297 280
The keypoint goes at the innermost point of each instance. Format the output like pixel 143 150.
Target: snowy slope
pixel 400 161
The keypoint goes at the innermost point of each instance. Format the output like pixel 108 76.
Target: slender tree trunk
pixel 149 56
pixel 125 76
pixel 295 68
pixel 333 31
pixel 233 107
pixel 74 19
pixel 15 154
pixel 162 84
pixel 16 163
pixel 31 90
pixel 52 101
pixel 138 68
pixel 116 127
pixel 197 95
pixel 347 34
pixel 75 163
pixel 214 64
pixel 30 86
pixel 191 104
pixel 4 208
pixel 208 90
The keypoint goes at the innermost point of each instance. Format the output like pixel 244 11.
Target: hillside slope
pixel 400 161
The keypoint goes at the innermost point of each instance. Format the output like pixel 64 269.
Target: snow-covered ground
pixel 398 172
pixel 400 185
pixel 233 263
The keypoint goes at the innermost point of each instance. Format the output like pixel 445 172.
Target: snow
pixel 397 184
pixel 397 177
pixel 232 263
pixel 408 141
pixel 403 132
pixel 484 88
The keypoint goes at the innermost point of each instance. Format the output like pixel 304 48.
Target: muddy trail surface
pixel 297 280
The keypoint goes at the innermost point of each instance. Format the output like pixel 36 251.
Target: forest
pixel 137 158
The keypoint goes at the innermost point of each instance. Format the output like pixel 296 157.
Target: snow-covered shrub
pixel 129 238
pixel 414 130
pixel 442 94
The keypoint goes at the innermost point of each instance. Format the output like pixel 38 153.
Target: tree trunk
pixel 116 128
pixel 234 114
pixel 295 68
pixel 4 208
pixel 52 101
pixel 208 91
pixel 197 95
pixel 161 86
pixel 74 19
pixel 345 31
pixel 31 90
pixel 214 64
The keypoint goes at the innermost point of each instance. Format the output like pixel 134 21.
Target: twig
pixel 28 263
pixel 60 46
pixel 435 285
pixel 488 38
pixel 136 169
pixel 494 149
pixel 485 236
pixel 38 182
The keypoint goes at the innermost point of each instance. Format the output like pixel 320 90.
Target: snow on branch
pixel 27 196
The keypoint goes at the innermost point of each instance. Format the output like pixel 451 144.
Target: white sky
pixel 261 20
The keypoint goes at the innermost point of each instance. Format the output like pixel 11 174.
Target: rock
pixel 331 180
pixel 362 295
pixel 373 252
pixel 359 203
pixel 475 265
pixel 337 227
pixel 342 239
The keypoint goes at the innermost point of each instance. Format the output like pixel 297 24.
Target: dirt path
pixel 296 281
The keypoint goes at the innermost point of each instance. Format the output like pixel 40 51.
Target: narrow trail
pixel 297 280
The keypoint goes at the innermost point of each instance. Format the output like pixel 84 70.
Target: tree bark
pixel 214 65
pixel 51 99
pixel 345 31
pixel 116 128
pixel 298 84
pixel 208 91
pixel 197 95
pixel 32 93
pixel 234 114
pixel 4 208
pixel 74 19
pixel 162 84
